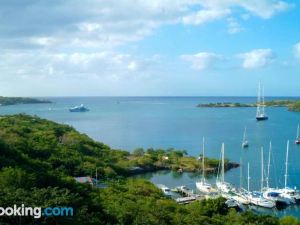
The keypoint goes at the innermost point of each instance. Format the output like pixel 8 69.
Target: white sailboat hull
pixel 205 187
pixel 260 201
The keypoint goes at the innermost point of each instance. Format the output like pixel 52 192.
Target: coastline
pixel 292 105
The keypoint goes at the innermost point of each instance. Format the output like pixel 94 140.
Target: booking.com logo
pixel 36 212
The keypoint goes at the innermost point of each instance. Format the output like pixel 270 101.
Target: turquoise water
pixel 131 122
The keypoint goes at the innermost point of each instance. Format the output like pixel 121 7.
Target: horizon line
pixel 150 96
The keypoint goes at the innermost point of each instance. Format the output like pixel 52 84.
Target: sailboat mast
pixel 244 138
pixel 248 178
pixel 258 101
pixel 298 132
pixel 223 167
pixel 263 100
pixel 203 172
pixel 262 169
pixel 286 164
pixel 241 174
pixel 269 161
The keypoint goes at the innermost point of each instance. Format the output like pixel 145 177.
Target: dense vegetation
pixel 39 159
pixel 177 160
pixel 20 100
pixel 292 105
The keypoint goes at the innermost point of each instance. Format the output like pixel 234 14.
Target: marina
pixel 267 197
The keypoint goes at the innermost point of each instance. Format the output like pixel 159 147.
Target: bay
pixel 164 122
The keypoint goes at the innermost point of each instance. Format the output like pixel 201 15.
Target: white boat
pixel 276 196
pixel 245 143
pixel 256 198
pixel 297 141
pixel 222 186
pixel 273 193
pixel 80 108
pixel 202 185
pixel 260 110
pixel 167 191
pixel 226 189
pixel 231 203
pixel 238 195
pixel 288 192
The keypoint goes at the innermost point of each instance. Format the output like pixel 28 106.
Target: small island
pixel 292 105
pixel 4 101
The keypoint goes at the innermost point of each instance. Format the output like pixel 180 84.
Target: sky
pixel 149 47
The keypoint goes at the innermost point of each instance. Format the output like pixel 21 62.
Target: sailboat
pixel 226 189
pixel 245 143
pixel 223 186
pixel 273 193
pixel 202 185
pixel 260 110
pixel 288 192
pixel 256 197
pixel 297 141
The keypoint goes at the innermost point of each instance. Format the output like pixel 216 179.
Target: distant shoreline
pixel 292 105
pixel 6 101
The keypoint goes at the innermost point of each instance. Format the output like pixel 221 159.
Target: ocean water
pixel 164 122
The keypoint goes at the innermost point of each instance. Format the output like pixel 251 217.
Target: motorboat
pixel 167 191
pixel 80 108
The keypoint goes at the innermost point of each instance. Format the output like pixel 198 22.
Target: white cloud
pixel 205 15
pixel 76 39
pixel 233 26
pixel 75 65
pixel 297 50
pixel 202 60
pixel 257 58
pixel 132 65
pixel 106 24
pixel 261 8
pixel 265 9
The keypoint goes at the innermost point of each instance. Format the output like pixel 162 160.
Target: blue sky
pixel 141 48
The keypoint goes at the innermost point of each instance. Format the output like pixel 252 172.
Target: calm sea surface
pixel 164 122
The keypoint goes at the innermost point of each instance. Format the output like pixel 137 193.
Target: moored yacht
pixel 80 108
pixel 273 193
pixel 202 185
pixel 277 197
pixel 226 189
pixel 245 143
pixel 167 191
pixel 288 192
pixel 297 141
pixel 260 110
pixel 223 187
pixel 255 197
